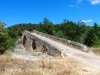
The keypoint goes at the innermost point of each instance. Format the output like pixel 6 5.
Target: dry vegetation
pixel 96 51
pixel 55 66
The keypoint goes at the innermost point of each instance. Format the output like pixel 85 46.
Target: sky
pixel 33 11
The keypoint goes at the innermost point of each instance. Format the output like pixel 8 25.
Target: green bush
pixel 11 42
pixel 3 39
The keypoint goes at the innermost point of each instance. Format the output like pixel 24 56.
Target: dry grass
pixel 56 66
pixel 96 51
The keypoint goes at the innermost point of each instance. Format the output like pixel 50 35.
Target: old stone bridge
pixel 54 45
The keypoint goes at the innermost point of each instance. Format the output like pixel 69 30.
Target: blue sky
pixel 33 11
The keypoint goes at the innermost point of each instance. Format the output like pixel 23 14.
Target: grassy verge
pixel 56 66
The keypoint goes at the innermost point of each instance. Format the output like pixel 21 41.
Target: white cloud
pixel 71 5
pixel 79 1
pixel 94 2
pixel 86 21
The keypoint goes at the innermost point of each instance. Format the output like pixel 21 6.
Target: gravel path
pixel 91 59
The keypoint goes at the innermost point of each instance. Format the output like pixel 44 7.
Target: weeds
pixel 55 66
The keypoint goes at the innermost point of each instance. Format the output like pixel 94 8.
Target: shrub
pixel 3 38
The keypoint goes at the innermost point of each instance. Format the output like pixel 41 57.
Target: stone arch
pixel 33 45
pixel 24 40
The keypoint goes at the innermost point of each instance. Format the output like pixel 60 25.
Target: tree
pixel 3 38
pixel 60 34
pixel 46 21
pixel 89 37
pixel 93 36
pixel 96 41
pixel 81 31
pixel 64 21
pixel 12 34
pixel 96 37
pixel 45 26
pixel 2 24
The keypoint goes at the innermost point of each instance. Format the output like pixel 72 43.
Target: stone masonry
pixel 30 42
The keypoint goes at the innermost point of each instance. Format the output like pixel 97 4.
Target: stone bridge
pixel 30 42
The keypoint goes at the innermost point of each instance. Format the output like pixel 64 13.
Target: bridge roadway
pixel 91 59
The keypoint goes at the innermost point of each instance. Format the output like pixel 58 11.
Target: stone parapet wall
pixel 70 43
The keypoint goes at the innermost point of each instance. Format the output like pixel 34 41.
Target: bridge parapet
pixel 66 42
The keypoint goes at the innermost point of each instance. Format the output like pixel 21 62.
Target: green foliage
pixel 46 21
pixel 2 24
pixel 12 34
pixel 89 37
pixel 11 42
pixel 3 38
pixel 93 36
pixel 70 30
pixel 81 31
pixel 60 34
pixel 17 29
pixel 96 41
pixel 45 26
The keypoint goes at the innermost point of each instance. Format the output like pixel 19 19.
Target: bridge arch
pixel 24 40
pixel 33 45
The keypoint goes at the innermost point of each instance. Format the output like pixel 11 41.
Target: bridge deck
pixel 87 58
